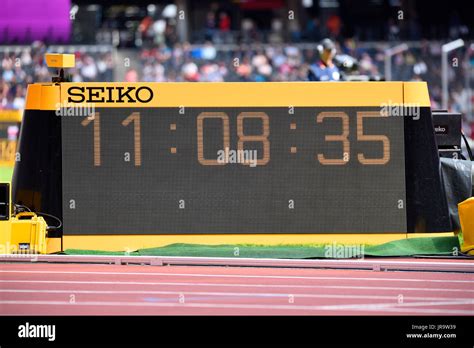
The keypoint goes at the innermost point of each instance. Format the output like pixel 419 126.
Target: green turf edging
pixel 416 246
pixel 253 251
pixel 403 247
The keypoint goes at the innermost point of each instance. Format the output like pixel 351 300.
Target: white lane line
pixel 242 276
pixel 238 294
pixel 235 285
pixel 427 311
pixel 358 306
pixel 120 305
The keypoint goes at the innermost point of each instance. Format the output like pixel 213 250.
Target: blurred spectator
pixel 131 76
pixel 190 71
pixel 244 70
pixel 210 28
pixel 324 69
pixel 224 22
pixel 313 30
pixel 333 26
pixel 89 69
pixel 19 99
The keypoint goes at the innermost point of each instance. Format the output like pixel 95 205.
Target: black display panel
pixel 156 171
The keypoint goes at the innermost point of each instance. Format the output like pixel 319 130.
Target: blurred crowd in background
pixel 143 44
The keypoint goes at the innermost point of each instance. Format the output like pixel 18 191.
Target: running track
pixel 84 289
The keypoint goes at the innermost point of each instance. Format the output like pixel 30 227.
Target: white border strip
pixel 372 264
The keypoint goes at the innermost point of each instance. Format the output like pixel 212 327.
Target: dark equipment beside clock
pixel 447 128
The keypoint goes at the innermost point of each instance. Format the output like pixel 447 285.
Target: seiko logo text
pixel 441 129
pixel 111 94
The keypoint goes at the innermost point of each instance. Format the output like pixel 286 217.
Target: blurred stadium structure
pixel 246 40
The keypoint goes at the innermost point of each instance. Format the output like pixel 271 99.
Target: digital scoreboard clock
pixel 232 158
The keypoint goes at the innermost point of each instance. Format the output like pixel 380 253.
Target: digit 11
pixel 95 117
pixel 134 117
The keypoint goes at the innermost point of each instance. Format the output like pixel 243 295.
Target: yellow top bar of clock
pixel 226 94
pixel 55 60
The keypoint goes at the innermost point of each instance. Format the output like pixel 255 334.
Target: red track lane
pixel 82 289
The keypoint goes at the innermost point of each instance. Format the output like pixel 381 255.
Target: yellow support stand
pixel 24 233
pixel 466 215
